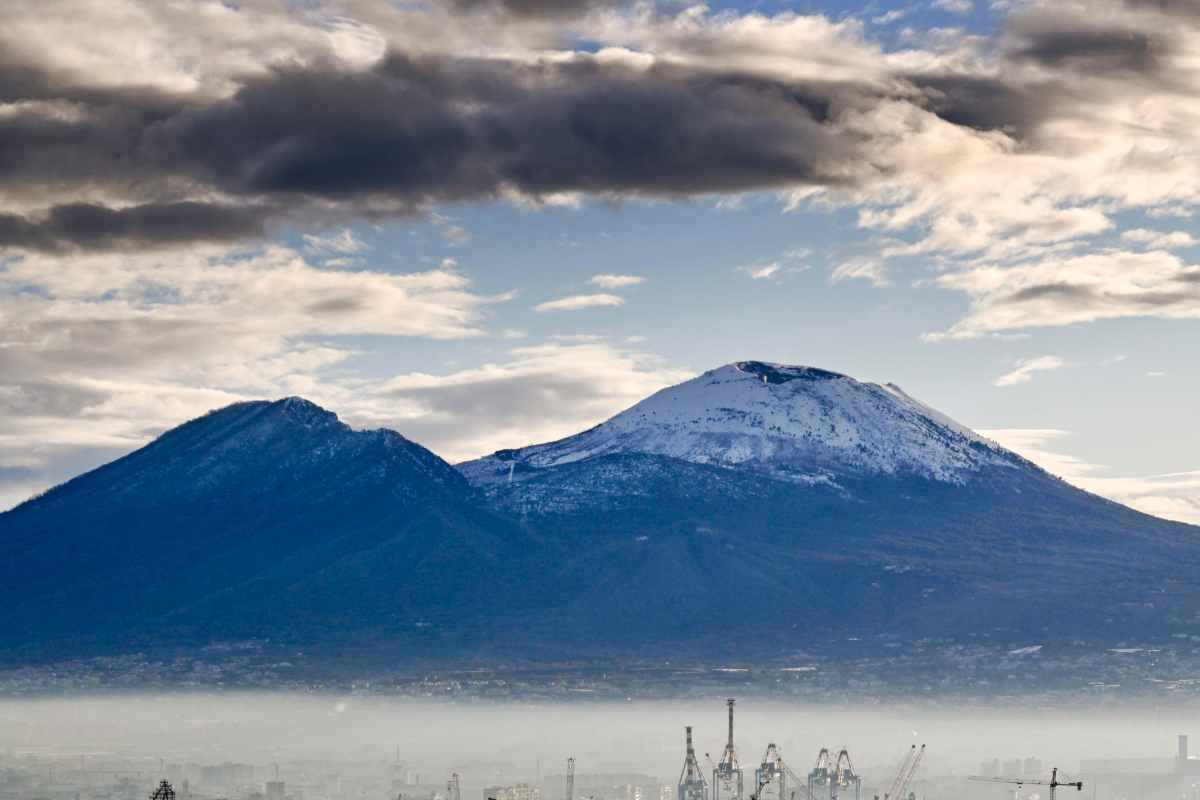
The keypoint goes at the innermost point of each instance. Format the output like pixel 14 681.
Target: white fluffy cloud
pixel 1159 240
pixel 100 352
pixel 537 394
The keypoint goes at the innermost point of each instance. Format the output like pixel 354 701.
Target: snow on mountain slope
pixel 794 422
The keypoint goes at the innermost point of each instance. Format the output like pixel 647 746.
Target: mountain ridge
pixel 754 491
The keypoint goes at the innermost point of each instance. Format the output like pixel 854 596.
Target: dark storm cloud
pixel 1184 9
pixel 1125 50
pixel 90 226
pixel 410 133
pixel 534 8
pixel 1081 62
pixel 1050 291
pixel 321 140
pixel 984 103
pixel 416 132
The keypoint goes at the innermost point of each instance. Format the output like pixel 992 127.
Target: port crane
pixel 692 785
pixel 905 775
pixel 1053 783
pixel 727 777
pixel 772 770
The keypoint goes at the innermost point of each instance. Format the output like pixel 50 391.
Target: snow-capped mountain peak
pixel 797 422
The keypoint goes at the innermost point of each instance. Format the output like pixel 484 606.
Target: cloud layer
pixel 381 110
pixel 958 149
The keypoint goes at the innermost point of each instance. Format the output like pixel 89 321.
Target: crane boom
pixel 895 787
pixel 1053 783
pixel 912 770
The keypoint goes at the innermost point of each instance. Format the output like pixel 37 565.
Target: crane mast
pixel 691 780
pixel 570 779
pixel 727 777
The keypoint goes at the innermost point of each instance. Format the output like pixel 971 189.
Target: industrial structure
pixel 570 793
pixel 1053 783
pixel 727 777
pixel 164 791
pixel 833 776
pixel 770 779
pixel 692 785
pixel 905 775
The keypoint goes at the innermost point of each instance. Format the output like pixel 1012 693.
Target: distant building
pixel 519 791
pixel 273 790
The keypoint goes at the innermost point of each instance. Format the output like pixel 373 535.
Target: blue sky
pixel 990 204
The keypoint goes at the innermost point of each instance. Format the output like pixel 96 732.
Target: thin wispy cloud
pixel 577 302
pixel 1172 496
pixel 870 270
pixel 1026 369
pixel 1059 291
pixel 343 242
pixel 608 281
pixel 789 262
pixel 762 271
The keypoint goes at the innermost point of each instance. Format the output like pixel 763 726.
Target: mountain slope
pixel 793 492
pixel 759 511
pixel 796 423
pixel 245 521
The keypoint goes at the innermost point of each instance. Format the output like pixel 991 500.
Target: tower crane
pixel 453 788
pixel 1053 783
pixel 570 779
